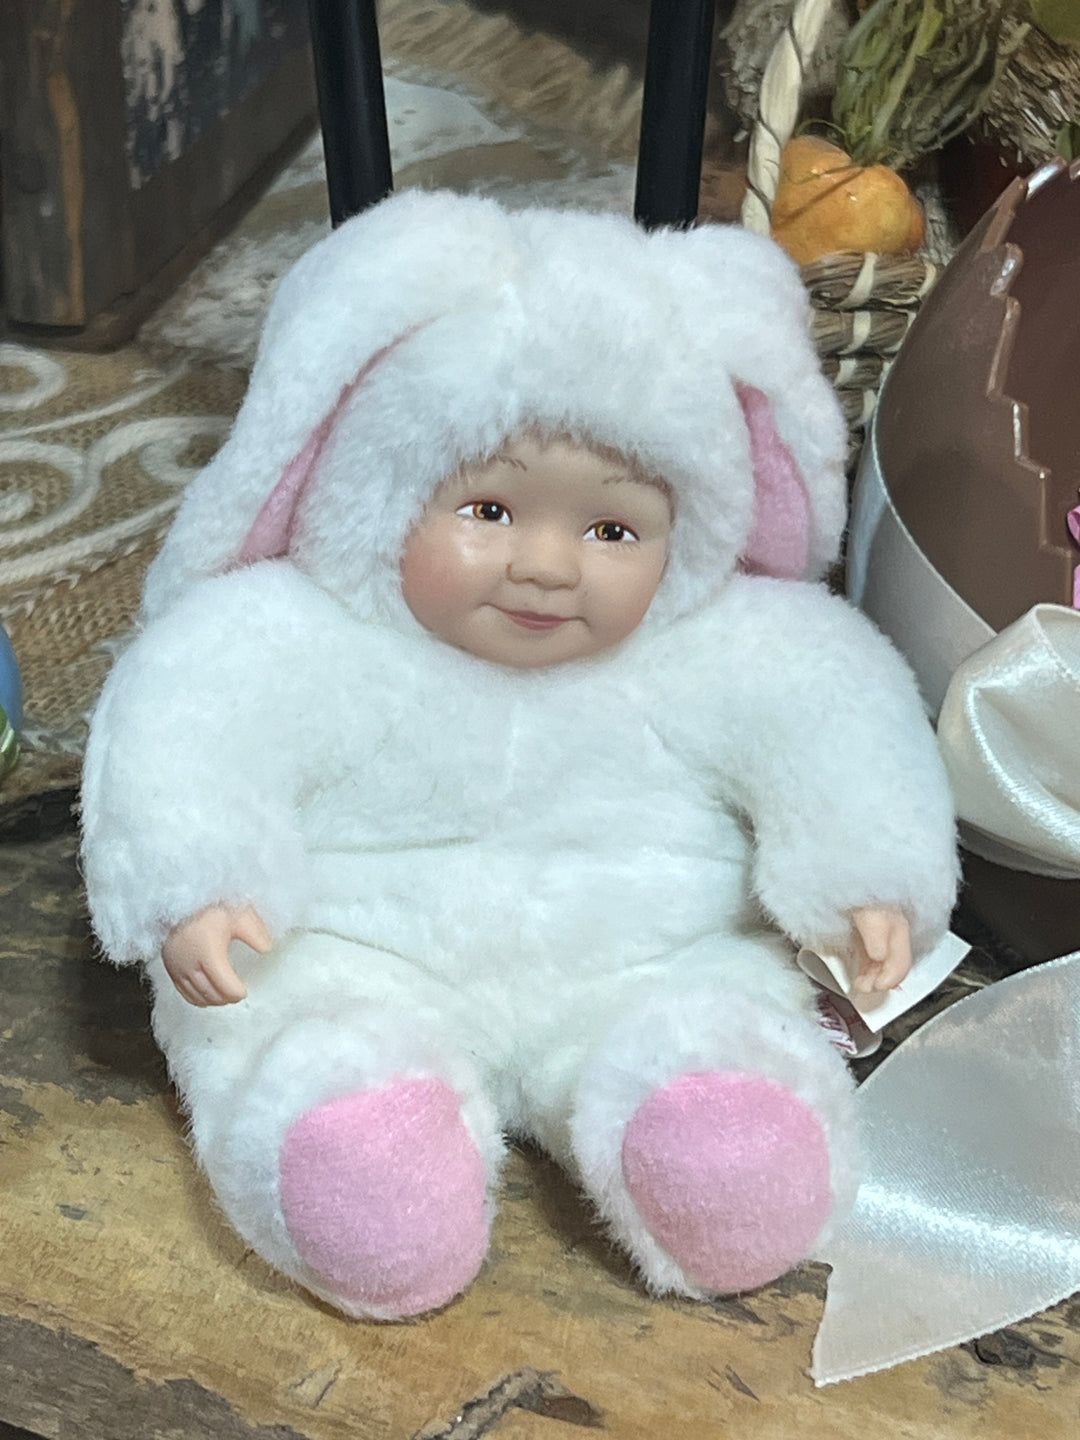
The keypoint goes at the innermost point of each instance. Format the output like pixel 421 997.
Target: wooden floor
pixel 128 1310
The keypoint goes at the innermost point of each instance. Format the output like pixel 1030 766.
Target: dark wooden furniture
pixel 130 137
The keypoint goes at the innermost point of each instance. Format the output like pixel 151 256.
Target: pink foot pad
pixel 383 1195
pixel 730 1173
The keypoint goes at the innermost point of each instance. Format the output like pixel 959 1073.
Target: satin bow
pixel 1009 732
pixel 968 1217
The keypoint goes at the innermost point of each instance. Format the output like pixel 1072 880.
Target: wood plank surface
pixel 79 240
pixel 63 189
pixel 129 1310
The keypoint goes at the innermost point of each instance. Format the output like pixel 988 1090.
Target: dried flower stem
pixel 914 73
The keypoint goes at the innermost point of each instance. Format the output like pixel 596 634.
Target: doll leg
pixel 353 1148
pixel 714 1133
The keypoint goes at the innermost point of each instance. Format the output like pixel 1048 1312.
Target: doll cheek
pixel 443 575
pixel 630 602
pixel 425 571
pixel 431 595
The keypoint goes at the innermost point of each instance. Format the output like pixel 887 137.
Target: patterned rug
pixel 95 450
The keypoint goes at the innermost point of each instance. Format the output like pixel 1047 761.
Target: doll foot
pixel 383 1193
pixel 730 1173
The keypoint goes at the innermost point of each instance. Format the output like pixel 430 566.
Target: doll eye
pixel 489 510
pixel 611 532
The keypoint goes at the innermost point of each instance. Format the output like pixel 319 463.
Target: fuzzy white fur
pixel 564 321
pixel 553 888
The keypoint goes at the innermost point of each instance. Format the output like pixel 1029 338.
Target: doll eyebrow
pixel 654 482
pixel 630 476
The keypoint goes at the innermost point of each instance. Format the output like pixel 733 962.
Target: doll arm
pixel 196 953
pixel 197 752
pixel 829 754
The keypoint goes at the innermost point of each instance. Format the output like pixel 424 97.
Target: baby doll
pixel 485 753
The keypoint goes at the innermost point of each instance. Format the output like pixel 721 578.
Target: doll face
pixel 549 552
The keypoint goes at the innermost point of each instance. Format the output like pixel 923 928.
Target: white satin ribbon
pixel 968 1218
pixel 1009 732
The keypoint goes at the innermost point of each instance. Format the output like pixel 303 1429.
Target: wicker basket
pixel 863 304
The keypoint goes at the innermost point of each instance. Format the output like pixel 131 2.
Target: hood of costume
pixel 429 330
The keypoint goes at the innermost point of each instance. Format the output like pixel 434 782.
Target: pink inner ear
pixel 271 536
pixel 780 541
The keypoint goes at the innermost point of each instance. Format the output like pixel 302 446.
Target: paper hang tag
pixel 877 1011
pixel 845 1027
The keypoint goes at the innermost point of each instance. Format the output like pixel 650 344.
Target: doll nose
pixel 544 557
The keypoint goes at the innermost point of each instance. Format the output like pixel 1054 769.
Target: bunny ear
pixel 271 535
pixel 779 544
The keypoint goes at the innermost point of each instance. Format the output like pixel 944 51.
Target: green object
pixel 9 744
pixel 914 73
pixel 1060 19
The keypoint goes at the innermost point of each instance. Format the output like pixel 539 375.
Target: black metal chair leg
pixel 352 106
pixel 673 111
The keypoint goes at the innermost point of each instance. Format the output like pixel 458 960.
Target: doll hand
pixel 881 954
pixel 196 953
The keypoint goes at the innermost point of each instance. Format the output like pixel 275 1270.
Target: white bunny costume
pixel 557 903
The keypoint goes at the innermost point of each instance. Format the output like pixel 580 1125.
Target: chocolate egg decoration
pixel 979 424
pixel 964 526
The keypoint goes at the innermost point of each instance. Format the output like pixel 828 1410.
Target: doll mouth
pixel 533 620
